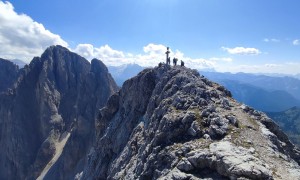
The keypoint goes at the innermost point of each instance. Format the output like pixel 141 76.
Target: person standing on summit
pixel 168 58
pixel 175 61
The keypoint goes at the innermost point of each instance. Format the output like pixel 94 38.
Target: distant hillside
pixel 288 84
pixel 262 92
pixel 124 72
pixel 271 101
pixel 289 121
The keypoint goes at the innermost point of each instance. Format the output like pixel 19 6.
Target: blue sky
pixel 232 35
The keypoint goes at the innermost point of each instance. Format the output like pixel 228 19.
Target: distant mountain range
pixel 265 93
pixel 124 72
pixel 269 83
pixel 261 99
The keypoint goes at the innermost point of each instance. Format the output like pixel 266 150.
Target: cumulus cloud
pixel 151 56
pixel 89 51
pixel 155 48
pixel 296 42
pixel 242 50
pixel 105 53
pixel 21 37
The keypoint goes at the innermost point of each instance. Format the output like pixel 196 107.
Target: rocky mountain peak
pixel 98 66
pixel 173 123
pixel 47 123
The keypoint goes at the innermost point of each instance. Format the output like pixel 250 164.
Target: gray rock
pixel 225 103
pixel 228 160
pixel 206 136
pixel 217 132
pixel 192 131
pixel 188 118
pixel 232 120
pixel 236 162
pixel 206 112
pixel 176 175
pixel 185 165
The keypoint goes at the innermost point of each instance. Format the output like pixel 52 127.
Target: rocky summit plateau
pixel 65 118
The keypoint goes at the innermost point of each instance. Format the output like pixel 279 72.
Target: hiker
pixel 182 63
pixel 167 53
pixel 159 64
pixel 175 61
pixel 168 61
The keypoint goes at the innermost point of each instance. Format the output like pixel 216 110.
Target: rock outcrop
pixel 47 120
pixel 8 74
pixel 172 123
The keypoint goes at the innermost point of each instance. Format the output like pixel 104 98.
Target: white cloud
pixel 272 65
pixel 155 49
pixel 271 40
pixel 21 37
pixel 221 59
pixel 296 42
pixel 107 52
pixel 85 50
pixel 151 56
pixel 242 50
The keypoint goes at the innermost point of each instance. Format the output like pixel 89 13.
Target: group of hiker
pixel 168 59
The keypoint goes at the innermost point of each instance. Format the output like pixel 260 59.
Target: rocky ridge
pixel 47 119
pixel 172 123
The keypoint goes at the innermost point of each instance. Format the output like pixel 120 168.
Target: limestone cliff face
pixel 172 123
pixel 47 120
pixel 8 74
